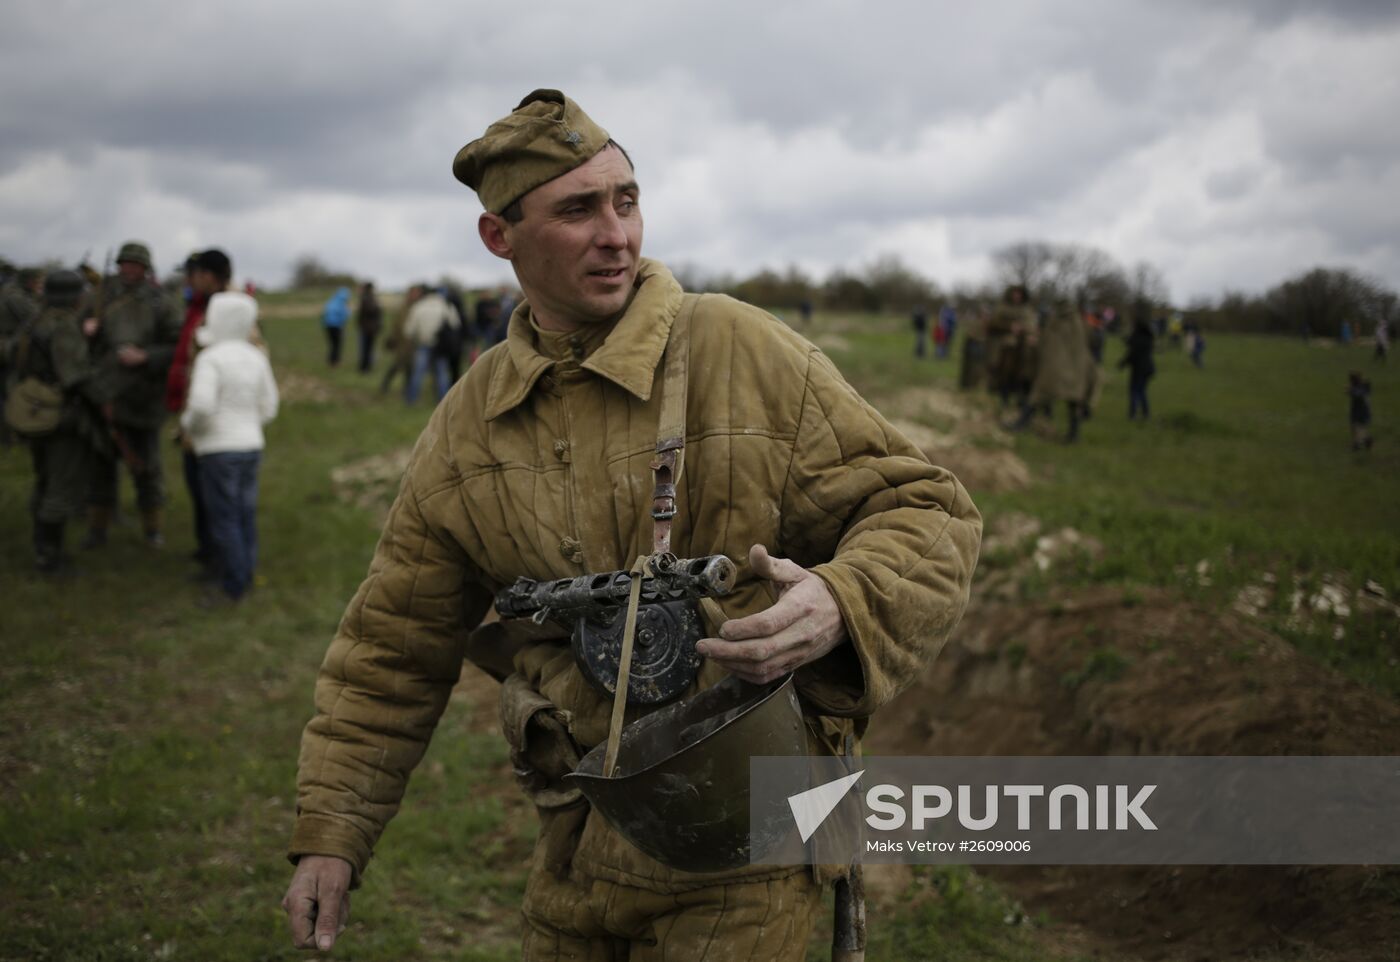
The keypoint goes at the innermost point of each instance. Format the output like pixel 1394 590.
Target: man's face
pixel 131 272
pixel 576 249
pixel 204 282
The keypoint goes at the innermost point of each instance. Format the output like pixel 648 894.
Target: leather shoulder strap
pixel 670 432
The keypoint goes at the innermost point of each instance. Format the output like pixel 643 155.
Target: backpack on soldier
pixel 33 406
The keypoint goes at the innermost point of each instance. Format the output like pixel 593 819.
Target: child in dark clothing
pixel 1359 390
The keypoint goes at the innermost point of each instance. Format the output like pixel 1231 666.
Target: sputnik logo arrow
pixel 810 808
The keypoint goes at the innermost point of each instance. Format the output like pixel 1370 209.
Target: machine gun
pixel 593 606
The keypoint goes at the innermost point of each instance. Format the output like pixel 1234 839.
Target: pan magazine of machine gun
pixel 592 607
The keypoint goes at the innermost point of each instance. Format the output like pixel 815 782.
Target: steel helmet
pixel 680 791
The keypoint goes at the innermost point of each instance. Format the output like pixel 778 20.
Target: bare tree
pixel 1024 262
pixel 1070 272
pixel 1149 287
pixel 1321 300
pixel 1079 274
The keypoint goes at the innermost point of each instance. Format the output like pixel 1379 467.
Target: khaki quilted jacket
pixel 538 465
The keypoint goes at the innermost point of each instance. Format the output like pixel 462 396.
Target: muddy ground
pixel 1141 672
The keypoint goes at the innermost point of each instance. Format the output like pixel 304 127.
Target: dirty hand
pixel 130 355
pixel 317 902
pixel 801 627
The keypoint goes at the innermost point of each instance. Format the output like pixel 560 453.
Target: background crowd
pixel 102 371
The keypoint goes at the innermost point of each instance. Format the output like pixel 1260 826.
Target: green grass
pixel 1245 464
pixel 148 747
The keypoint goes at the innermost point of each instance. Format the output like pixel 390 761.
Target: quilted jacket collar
pixel 628 357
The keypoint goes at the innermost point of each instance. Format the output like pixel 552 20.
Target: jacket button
pixel 572 550
pixel 561 449
pixel 547 382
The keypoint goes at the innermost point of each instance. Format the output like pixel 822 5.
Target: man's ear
pixel 495 234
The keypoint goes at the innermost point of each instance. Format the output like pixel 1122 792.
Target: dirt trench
pixel 1109 671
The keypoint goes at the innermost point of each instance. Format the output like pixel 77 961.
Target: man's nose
pixel 610 230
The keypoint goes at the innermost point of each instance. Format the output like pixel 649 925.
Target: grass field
pixel 148 747
pixel 1245 464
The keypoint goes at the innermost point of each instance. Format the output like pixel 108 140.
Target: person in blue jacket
pixel 333 318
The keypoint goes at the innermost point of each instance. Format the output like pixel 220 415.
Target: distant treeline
pixel 1049 272
pixel 1318 302
pixel 1315 303
pixel 309 272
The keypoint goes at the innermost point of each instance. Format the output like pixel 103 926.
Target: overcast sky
pixel 1229 143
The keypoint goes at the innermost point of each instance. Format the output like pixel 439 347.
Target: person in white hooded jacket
pixel 232 395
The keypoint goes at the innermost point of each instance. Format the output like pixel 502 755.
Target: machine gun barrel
pixel 597 594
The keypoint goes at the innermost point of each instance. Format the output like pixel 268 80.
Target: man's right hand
pixel 317 902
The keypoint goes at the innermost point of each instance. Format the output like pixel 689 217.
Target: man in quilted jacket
pixel 537 464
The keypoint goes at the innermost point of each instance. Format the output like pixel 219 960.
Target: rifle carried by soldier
pixel 130 457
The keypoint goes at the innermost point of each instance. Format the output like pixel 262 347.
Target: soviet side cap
pixel 546 136
pixel 136 252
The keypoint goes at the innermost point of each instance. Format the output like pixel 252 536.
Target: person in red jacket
pixel 209 273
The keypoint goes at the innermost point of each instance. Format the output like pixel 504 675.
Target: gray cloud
pixel 1230 143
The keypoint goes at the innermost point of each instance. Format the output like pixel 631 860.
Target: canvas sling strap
pixel 666 468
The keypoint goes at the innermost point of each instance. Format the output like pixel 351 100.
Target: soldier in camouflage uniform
pixel 57 353
pixel 19 305
pixel 134 343
pixel 1008 329
pixel 19 301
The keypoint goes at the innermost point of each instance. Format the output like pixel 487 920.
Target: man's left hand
pixel 801 627
pixel 131 356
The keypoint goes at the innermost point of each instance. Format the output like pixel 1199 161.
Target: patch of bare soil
pixel 831 342
pixel 292 312
pixel 959 435
pixel 293 387
pixel 371 483
pixel 1104 671
pixel 983 469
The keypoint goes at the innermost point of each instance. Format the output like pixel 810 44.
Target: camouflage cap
pixel 545 136
pixel 136 252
